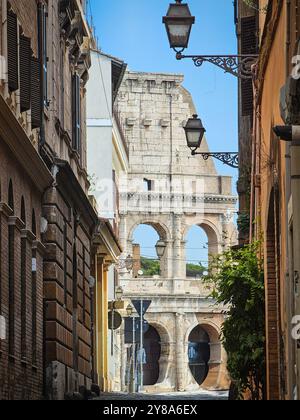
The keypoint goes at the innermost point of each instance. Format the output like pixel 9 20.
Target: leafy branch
pixel 238 281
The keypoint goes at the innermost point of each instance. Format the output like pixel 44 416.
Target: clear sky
pixel 133 31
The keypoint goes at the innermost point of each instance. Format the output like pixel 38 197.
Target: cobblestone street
pixel 183 396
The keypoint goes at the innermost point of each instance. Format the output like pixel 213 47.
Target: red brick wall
pixel 63 339
pixel 20 379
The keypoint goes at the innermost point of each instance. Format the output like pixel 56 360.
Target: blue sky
pixel 132 30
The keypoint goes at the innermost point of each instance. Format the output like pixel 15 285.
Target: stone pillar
pixel 180 356
pixel 177 248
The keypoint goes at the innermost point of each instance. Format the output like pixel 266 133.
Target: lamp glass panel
pixel 179 34
pixel 193 138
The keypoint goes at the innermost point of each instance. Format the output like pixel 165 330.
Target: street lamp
pixel 129 311
pixel 195 132
pixel 126 264
pixel 179 22
pixel 119 293
pixel 160 248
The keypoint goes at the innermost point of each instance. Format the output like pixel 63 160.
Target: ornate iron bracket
pixel 227 158
pixel 238 65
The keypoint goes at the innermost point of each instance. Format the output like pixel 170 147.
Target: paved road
pixel 183 396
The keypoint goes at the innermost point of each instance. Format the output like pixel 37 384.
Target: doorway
pixel 199 354
pixel 152 344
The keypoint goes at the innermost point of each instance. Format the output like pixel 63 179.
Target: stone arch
pixel 216 375
pixel 163 232
pixel 214 236
pixel 164 362
pixel 161 229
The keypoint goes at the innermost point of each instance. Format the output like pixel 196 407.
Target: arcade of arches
pixel 183 348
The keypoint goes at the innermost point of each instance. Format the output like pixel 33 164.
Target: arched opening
pixel 199 354
pixel 152 345
pixel 11 196
pixel 197 256
pixel 273 298
pixel 23 285
pixel 23 211
pixel 33 223
pixel 145 260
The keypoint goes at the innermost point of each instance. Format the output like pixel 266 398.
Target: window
pixel 147 185
pixel 33 223
pixel 36 106
pixel 249 42
pixel 12 51
pixel 76 112
pixel 25 72
pixel 43 40
pixel 11 195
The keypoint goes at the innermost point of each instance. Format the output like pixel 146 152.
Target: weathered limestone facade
pixel 171 191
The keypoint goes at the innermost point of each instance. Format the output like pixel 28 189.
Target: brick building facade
pixel 47 221
pixel 274 198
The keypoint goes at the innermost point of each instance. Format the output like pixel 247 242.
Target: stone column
pixel 177 248
pixel 180 356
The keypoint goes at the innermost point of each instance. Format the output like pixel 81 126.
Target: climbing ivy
pixel 237 280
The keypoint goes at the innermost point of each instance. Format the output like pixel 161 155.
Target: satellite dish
pixel 140 273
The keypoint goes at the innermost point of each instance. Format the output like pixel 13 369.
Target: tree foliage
pixel 238 281
pixel 151 267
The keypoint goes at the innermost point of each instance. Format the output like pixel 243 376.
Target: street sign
pixel 141 309
pixel 114 320
pixel 129 330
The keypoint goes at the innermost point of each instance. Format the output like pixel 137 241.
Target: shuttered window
pixel 36 108
pixel 76 113
pixel 249 45
pixel 12 51
pixel 43 50
pixel 25 73
pixel 45 55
